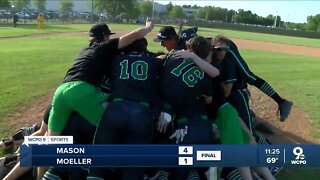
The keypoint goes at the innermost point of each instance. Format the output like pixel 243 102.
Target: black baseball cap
pixel 100 30
pixel 165 33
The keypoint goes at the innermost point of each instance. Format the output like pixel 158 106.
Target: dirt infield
pixel 297 128
pixel 278 48
pixel 242 43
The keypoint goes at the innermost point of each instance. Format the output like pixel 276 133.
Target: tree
pixel 20 4
pixel 248 17
pixel 169 7
pixel 231 15
pixel 114 8
pixel 313 23
pixel 4 4
pixel 200 13
pixel 278 21
pixel 40 4
pixel 177 12
pixel 146 8
pixel 269 20
pixel 66 7
pixel 133 13
pixel 220 14
pixel 209 13
pixel 186 6
pixel 195 6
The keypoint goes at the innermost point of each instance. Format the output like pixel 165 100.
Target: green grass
pixel 294 77
pixel 299 173
pixel 261 37
pixel 31 67
pixel 25 29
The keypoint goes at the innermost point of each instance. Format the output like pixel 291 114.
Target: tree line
pixel 134 9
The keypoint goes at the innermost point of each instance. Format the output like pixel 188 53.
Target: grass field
pixel 263 37
pixel 297 77
pixel 32 66
pixel 54 54
pixel 7 31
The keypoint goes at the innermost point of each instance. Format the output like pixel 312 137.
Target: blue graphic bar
pixel 66 150
pixel 106 161
pixel 171 155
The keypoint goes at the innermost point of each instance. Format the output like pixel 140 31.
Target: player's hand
pixel 207 99
pixel 149 25
pixel 252 140
pixel 162 126
pixel 162 57
pixel 179 134
pixel 163 123
pixel 184 54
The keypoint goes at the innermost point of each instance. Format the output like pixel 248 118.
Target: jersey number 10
pixel 138 70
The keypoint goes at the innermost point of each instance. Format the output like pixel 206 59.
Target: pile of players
pixel 118 92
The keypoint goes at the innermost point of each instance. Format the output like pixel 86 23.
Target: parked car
pixel 23 15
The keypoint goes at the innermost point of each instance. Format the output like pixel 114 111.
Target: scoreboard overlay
pixel 71 155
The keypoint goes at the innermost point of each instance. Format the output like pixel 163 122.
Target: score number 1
pixel 188 161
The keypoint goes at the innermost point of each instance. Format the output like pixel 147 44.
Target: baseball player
pixel 183 84
pixel 17 171
pixel 40 21
pixel 228 49
pixel 234 83
pixel 79 90
pixel 232 128
pixel 171 40
pixel 128 118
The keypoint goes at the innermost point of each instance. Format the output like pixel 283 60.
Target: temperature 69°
pixel 272 160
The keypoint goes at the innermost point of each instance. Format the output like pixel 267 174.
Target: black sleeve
pixel 46 114
pixel 228 73
pixel 110 48
pixel 160 62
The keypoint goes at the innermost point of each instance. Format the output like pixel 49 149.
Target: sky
pixel 292 11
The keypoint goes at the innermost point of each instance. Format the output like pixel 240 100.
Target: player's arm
pixel 228 76
pixel 134 35
pixel 227 87
pixel 202 64
pixel 246 129
pixel 164 114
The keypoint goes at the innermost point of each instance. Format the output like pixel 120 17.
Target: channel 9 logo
pixel 300 157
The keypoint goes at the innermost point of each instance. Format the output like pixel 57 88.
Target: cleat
pixel 6 143
pixel 27 131
pixel 285 108
pixel 8 159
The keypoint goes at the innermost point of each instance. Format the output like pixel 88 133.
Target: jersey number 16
pixel 191 76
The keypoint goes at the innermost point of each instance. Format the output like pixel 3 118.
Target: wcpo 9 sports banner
pixel 70 155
